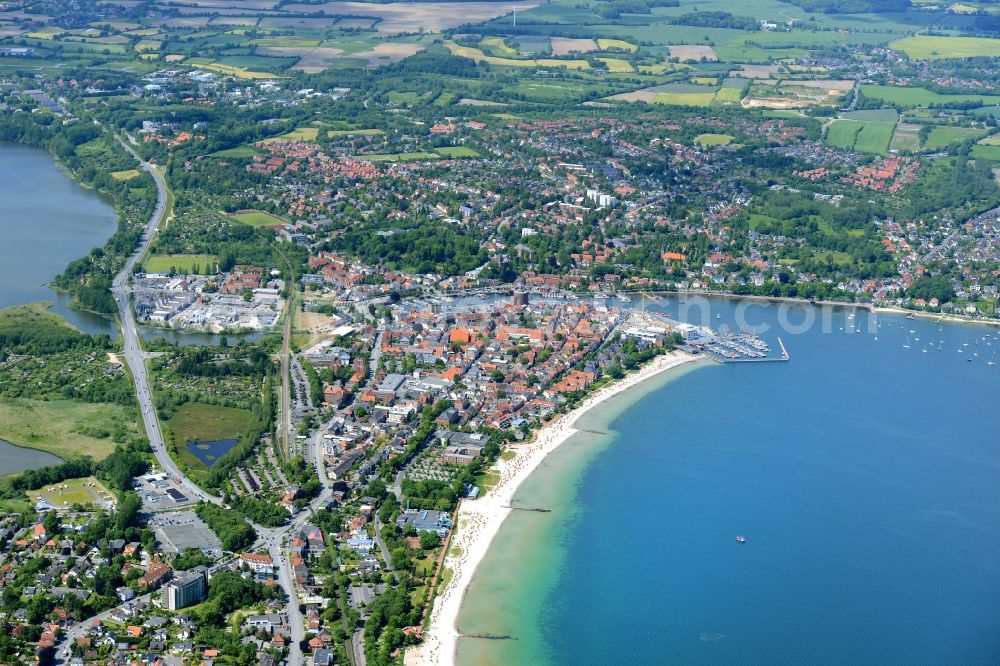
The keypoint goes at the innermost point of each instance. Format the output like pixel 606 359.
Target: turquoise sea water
pixel 865 476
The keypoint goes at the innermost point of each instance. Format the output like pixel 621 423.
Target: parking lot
pixel 159 492
pixel 176 531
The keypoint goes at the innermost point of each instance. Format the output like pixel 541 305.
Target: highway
pixel 271 539
pixel 134 356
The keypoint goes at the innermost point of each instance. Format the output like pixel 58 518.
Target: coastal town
pixel 366 267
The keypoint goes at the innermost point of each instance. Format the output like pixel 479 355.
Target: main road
pixel 136 360
pixel 133 353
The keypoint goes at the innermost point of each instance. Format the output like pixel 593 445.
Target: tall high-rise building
pixel 187 590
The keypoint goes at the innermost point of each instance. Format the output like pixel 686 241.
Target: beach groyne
pixel 478 521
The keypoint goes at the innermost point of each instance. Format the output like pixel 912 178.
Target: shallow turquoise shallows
pixel 865 477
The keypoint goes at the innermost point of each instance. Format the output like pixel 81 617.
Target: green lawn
pixel 258 218
pixel 456 152
pixel 205 264
pixel 56 426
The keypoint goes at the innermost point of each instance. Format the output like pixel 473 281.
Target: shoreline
pixel 870 307
pixel 478 522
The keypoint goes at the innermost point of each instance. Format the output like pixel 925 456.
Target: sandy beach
pixel 480 520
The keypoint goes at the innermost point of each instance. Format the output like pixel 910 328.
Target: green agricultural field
pixel 456 152
pixel 874 137
pixel 993 140
pixel 934 47
pixel 684 99
pixel 551 91
pixel 258 218
pixel 842 134
pixel 986 152
pixel 728 95
pixel 479 56
pixel 616 45
pixel 906 137
pixel 942 137
pixel 181 263
pixel 56 426
pixel 496 46
pixel 908 97
pixel 880 115
pixel 617 65
pixel 713 140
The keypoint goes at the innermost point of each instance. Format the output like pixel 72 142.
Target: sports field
pixel 713 140
pixel 258 218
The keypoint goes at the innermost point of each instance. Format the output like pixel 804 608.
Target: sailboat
pixel 992 361
pixel 906 345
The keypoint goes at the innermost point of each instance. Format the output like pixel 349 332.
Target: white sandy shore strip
pixel 479 520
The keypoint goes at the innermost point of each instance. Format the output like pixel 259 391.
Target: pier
pixel 766 359
pixel 528 508
pixel 490 637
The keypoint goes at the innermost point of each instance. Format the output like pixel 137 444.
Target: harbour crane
pixel 652 297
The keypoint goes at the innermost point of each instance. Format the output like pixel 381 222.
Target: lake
pixel 47 220
pixel 864 473
pixel 210 450
pixel 14 459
